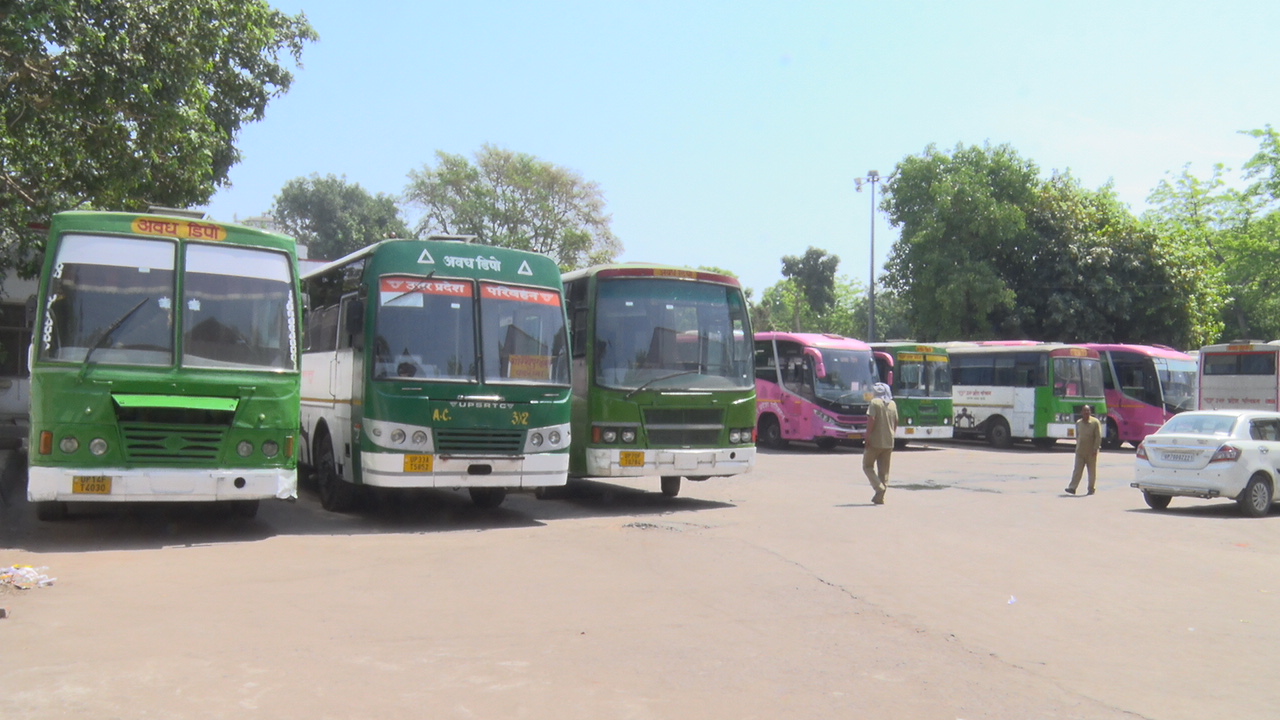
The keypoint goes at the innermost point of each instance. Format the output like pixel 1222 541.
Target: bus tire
pixel 998 433
pixel 770 433
pixel 1112 440
pixel 825 443
pixel 1255 499
pixel 671 485
pixel 247 509
pixel 487 498
pixel 336 494
pixel 51 511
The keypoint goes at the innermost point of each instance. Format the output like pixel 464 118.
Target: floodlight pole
pixel 872 178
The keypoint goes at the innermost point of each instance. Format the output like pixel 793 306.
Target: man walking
pixel 1088 441
pixel 882 426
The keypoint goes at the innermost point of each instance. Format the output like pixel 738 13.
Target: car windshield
pixel 672 335
pixel 523 331
pixel 849 375
pixel 237 309
pixel 111 301
pixel 425 329
pixel 1196 424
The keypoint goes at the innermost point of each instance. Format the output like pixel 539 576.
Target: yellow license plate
pixel 91 484
pixel 631 458
pixel 911 431
pixel 419 463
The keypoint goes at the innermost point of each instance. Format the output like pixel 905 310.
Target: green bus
pixel 1006 390
pixel 920 376
pixel 435 363
pixel 165 363
pixel 663 380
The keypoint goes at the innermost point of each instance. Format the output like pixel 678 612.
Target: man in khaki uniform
pixel 1088 441
pixel 882 426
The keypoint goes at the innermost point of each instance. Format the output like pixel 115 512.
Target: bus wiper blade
pixel 106 334
pixel 660 379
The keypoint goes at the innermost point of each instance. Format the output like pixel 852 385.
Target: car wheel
pixel 671 485
pixel 1255 500
pixel 998 433
pixel 1156 502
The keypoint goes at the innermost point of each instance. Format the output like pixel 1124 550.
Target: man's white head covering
pixel 882 391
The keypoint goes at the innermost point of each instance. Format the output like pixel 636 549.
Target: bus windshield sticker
pixel 519 294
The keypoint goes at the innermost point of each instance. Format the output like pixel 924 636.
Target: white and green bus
pixel 165 366
pixel 1007 391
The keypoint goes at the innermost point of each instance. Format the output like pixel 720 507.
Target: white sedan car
pixel 1212 453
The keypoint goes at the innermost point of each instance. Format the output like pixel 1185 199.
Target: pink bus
pixel 1145 386
pixel 812 387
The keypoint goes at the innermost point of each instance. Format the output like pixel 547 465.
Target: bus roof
pixel 909 346
pixel 450 257
pixel 1160 351
pixel 651 270
pixel 1243 346
pixel 1049 348
pixel 160 224
pixel 819 340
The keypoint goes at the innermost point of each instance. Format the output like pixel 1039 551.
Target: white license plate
pixel 1177 457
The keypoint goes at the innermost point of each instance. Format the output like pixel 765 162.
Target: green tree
pixel 334 217
pixel 128 103
pixel 518 201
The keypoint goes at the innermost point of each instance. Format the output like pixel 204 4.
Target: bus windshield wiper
pixel 660 379
pixel 106 334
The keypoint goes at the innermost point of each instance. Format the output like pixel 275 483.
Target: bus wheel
pixel 825 443
pixel 998 433
pixel 1112 440
pixel 671 485
pixel 244 508
pixel 336 494
pixel 770 433
pixel 487 497
pixel 51 511
pixel 1156 502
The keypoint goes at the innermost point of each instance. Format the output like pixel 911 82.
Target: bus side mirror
pixel 819 367
pixel 355 324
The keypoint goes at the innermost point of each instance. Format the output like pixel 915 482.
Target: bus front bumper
pixel 159 484
pixel 459 471
pixel 709 462
pixel 924 432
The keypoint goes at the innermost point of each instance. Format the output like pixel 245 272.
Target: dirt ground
pixel 979 590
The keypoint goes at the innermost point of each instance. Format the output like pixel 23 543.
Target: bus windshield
pixel 1077 377
pixel 524 335
pixel 111 301
pixel 425 329
pixel 237 308
pixel 672 334
pixel 1179 379
pixel 849 375
pixel 922 376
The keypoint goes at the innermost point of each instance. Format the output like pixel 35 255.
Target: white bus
pixel 1239 376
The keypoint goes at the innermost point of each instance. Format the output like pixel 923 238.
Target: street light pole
pixel 871 179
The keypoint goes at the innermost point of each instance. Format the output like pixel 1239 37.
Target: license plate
pixel 1177 457
pixel 419 463
pixel 631 458
pixel 91 484
pixel 911 431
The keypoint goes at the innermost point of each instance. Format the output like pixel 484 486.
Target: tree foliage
pixel 515 200
pixel 334 217
pixel 990 249
pixel 121 104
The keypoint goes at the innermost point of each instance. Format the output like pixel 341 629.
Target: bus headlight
pixel 735 437
pixel 68 444
pixel 419 437
pixel 553 437
pixel 535 439
pixel 628 436
pixel 269 448
pixel 397 436
pixel 245 448
pixel 98 447
pixel 610 435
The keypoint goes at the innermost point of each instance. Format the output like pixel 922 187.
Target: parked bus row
pixel 178 359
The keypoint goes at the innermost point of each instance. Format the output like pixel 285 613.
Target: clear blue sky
pixel 729 133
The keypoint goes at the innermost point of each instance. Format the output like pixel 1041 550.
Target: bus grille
pixel 146 444
pixel 479 441
pixel 684 427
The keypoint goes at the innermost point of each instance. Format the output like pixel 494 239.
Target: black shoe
pixel 1069 491
pixel 1091 492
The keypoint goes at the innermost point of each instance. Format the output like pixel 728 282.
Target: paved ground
pixel 979 590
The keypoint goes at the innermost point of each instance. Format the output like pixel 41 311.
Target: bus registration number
pixel 419 463
pixel 91 484
pixel 631 458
